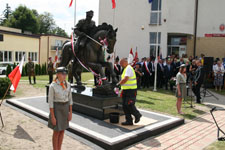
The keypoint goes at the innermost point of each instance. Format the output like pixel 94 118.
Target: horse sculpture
pixel 92 55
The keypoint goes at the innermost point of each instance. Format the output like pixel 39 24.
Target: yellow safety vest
pixel 131 82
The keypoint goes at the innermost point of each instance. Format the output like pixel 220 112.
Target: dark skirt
pixel 61 111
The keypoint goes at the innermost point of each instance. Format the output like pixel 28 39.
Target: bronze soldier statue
pixel 30 70
pixel 83 28
pixel 50 70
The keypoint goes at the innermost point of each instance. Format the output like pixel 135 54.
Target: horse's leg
pixel 66 55
pixel 111 70
pixel 98 68
pixel 74 72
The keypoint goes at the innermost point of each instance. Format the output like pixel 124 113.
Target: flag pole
pixel 5 94
pixel 157 49
pixel 75 12
pixel 1 104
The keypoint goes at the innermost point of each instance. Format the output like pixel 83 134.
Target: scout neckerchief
pixel 61 83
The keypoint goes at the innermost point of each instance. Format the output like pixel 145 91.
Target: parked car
pixel 3 67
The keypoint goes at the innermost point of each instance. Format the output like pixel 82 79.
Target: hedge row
pixel 39 69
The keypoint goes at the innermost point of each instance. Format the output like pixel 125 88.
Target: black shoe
pixel 127 123
pixel 137 119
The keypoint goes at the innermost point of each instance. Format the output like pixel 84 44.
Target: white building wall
pixel 131 16
pixel 210 17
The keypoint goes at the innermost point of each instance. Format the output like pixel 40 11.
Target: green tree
pixel 46 22
pixel 6 14
pixel 59 31
pixel 24 19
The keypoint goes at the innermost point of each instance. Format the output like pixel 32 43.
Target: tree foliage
pixel 24 19
pixel 30 20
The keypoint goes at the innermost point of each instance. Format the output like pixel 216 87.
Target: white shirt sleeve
pixel 129 72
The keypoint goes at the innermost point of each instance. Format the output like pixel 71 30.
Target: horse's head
pixel 111 38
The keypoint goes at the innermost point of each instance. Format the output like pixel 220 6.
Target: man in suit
pixel 160 74
pixel 168 73
pixel 146 74
pixel 151 67
pixel 198 80
pixel 117 68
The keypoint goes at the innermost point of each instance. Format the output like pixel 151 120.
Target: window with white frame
pixel 19 56
pixel 33 56
pixel 6 56
pixel 155 17
pixel 153 42
pixel 58 43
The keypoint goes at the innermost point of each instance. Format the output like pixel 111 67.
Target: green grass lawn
pixel 84 77
pixel 165 101
pixel 218 92
pixel 219 145
pixel 161 101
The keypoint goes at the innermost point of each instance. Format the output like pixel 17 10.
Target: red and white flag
pixel 113 4
pixel 71 3
pixel 135 58
pixel 15 75
pixel 130 57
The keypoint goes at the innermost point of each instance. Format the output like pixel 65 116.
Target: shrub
pixel 36 69
pixel 4 84
pixel 8 70
pixel 23 71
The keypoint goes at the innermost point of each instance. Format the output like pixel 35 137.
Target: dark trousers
pixel 152 78
pixel 166 84
pixel 129 108
pixel 34 78
pixel 196 91
pixel 146 80
pixel 160 81
pixel 50 74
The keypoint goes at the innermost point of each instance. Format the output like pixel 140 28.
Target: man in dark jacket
pixel 151 67
pixel 146 74
pixel 160 74
pixel 198 80
pixel 168 72
pixel 117 68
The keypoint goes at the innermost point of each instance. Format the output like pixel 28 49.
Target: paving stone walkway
pixel 194 135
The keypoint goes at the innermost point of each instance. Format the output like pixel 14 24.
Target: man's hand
pixel 118 85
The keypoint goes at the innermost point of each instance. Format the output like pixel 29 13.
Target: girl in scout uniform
pixel 181 91
pixel 60 104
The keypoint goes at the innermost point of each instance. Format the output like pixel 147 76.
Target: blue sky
pixel 63 15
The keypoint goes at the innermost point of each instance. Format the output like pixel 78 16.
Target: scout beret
pixel 62 70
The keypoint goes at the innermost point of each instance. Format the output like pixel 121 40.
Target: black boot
pixel 137 118
pixel 34 80
pixel 30 80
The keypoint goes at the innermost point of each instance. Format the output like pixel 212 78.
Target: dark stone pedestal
pixel 96 106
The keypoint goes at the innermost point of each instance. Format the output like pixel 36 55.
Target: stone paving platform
pixel 103 133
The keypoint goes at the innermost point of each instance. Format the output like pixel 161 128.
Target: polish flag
pixel 15 75
pixel 135 58
pixel 113 4
pixel 131 57
pixel 71 3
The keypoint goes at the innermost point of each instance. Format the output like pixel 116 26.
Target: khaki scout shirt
pixel 58 94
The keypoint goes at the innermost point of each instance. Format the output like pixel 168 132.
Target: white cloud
pixel 63 15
